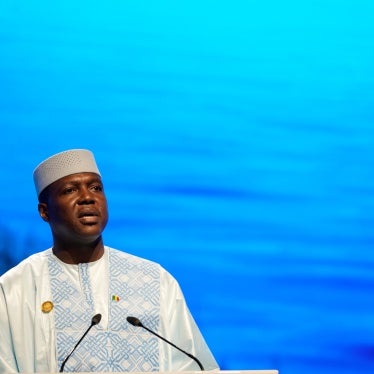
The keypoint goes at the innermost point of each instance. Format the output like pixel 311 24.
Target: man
pixel 48 301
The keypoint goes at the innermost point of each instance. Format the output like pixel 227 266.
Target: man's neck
pixel 77 253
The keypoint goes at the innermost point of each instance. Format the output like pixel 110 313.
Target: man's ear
pixel 43 211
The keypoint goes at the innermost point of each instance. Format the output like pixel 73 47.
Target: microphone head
pixel 134 321
pixel 96 319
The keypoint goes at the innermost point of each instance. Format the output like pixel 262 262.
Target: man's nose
pixel 86 196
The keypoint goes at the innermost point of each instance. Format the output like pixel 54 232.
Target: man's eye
pixel 97 188
pixel 68 190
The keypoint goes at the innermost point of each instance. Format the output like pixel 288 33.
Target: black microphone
pixel 136 322
pixel 95 320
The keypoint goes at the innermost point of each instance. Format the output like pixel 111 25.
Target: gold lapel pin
pixel 47 306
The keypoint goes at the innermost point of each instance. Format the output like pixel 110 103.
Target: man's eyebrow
pixel 95 180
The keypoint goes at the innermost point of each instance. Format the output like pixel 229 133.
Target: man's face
pixel 76 208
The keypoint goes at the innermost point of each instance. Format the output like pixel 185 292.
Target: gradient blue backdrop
pixel 236 144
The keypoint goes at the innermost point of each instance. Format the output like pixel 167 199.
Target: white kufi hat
pixel 62 164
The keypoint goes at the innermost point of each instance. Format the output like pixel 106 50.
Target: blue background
pixel 236 144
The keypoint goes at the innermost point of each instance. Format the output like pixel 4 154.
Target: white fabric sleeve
pixel 27 342
pixel 7 359
pixel 178 326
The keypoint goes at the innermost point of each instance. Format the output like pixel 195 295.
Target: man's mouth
pixel 88 214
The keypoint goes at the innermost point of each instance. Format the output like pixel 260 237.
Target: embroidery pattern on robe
pixel 122 347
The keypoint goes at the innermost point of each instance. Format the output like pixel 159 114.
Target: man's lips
pixel 88 213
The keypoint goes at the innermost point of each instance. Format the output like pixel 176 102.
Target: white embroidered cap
pixel 62 164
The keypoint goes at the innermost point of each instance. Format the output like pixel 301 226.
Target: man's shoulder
pixel 130 258
pixel 124 261
pixel 30 264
